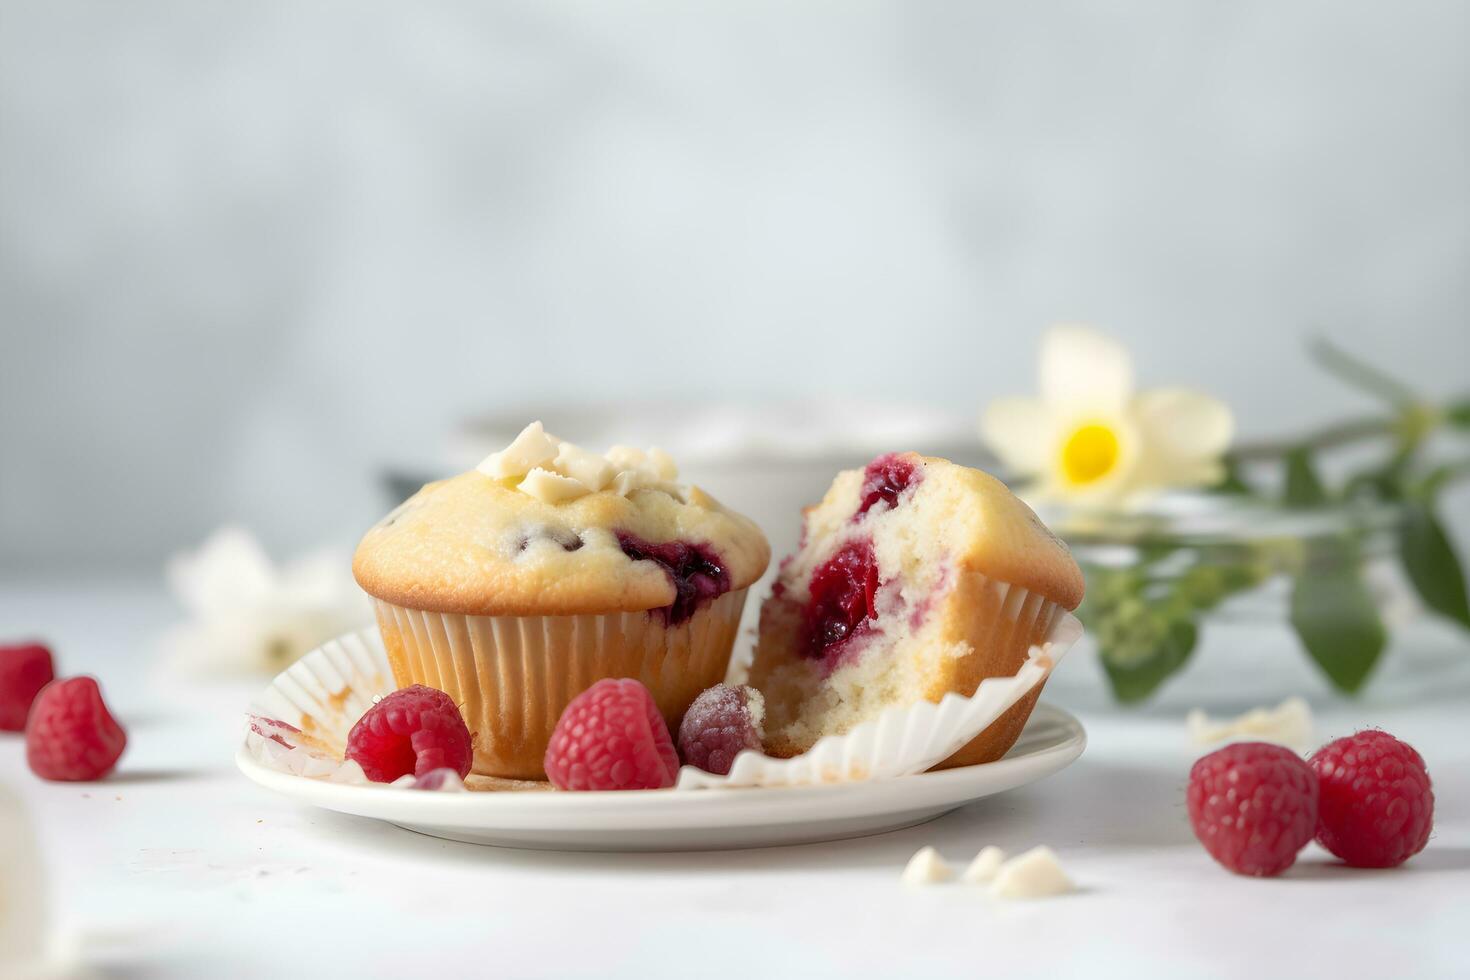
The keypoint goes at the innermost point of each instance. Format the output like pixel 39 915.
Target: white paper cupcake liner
pixel 299 724
pixel 512 676
pixel 901 741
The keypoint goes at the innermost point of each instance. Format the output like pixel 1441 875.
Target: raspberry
pixel 720 723
pixel 1253 806
pixel 24 670
pixel 1376 807
pixel 415 730
pixel 885 479
pixel 70 735
pixel 612 737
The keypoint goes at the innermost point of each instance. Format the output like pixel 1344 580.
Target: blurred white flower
pixel 1091 439
pixel 247 615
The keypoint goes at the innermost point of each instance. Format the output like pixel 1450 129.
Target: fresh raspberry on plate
pixel 415 730
pixel 71 736
pixel 24 670
pixel 720 724
pixel 1253 806
pixel 612 737
pixel 1377 806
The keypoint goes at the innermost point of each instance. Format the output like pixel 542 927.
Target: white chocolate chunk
pixel 697 497
pixel 626 457
pixel 1289 724
pixel 555 471
pixel 532 448
pixel 926 867
pixel 983 869
pixel 626 482
pixel 1035 874
pixel 663 486
pixel 661 465
pixel 552 488
pixel 591 470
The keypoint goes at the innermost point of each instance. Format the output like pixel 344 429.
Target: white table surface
pixel 178 866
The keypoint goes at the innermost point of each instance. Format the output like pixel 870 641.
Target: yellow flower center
pixel 1090 453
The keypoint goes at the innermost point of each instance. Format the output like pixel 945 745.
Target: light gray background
pixel 250 252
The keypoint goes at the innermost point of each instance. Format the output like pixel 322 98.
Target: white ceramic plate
pixel 711 819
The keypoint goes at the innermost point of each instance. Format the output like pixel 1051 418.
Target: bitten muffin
pixel 516 586
pixel 914 577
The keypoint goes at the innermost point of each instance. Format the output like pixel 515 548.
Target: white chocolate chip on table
pixel 926 867
pixel 1034 874
pixel 982 870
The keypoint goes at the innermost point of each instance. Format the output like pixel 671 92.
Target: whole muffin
pixel 915 577
pixel 516 586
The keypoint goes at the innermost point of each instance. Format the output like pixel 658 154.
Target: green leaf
pixel 1204 587
pixel 1428 486
pixel 1337 621
pixel 1232 483
pixel 1382 483
pixel 1134 672
pixel 1303 486
pixel 1433 567
pixel 1458 414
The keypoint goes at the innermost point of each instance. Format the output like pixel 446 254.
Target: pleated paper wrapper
pixel 299 724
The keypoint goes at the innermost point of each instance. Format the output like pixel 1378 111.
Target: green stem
pixel 1361 374
pixel 1331 437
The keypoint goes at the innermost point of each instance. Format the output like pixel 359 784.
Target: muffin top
pixel 924 513
pixel 546 528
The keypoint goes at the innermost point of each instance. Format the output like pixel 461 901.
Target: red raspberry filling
pixel 842 606
pixel 273 729
pixel 71 736
pixel 1377 806
pixel 415 730
pixel 24 670
pixel 611 736
pixel 1253 806
pixel 695 570
pixel 886 478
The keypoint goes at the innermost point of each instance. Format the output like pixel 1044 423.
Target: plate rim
pixel 318 792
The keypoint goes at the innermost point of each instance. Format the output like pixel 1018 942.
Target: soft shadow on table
pixel 138 776
pixel 1432 860
pixel 892 848
pixel 1126 806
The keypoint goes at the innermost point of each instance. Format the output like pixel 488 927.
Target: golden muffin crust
pixel 479 546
